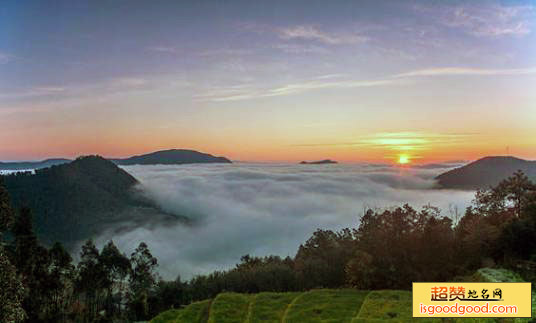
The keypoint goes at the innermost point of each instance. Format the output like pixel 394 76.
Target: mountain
pixel 485 172
pixel 171 157
pixel 25 165
pixel 319 162
pixel 163 157
pixel 78 200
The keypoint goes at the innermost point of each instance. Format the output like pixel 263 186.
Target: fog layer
pixel 262 209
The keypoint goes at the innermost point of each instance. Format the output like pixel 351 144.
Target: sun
pixel 403 159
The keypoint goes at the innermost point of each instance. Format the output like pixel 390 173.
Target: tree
pixel 6 212
pixel 401 245
pixel 11 291
pixel 90 277
pixel 32 261
pixel 507 199
pixel 61 272
pixel 142 281
pixel 116 267
pixel 321 261
pixel 500 223
pixel 11 288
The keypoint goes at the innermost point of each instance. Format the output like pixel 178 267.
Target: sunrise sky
pixel 272 81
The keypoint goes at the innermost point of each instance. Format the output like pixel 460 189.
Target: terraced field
pixel 322 305
pixel 315 306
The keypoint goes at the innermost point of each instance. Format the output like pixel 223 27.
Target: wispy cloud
pixel 401 141
pixel 163 49
pixel 226 52
pixel 301 48
pixel 445 71
pixel 309 32
pixel 99 89
pixel 128 82
pixel 6 58
pixel 33 92
pixel 246 93
pixel 489 20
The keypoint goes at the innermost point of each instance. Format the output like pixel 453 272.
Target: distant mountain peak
pixel 485 172
pixel 171 157
pixel 319 162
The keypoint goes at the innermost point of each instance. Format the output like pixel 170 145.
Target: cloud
pixel 308 32
pixel 445 71
pixel 485 20
pixel 128 82
pixel 300 48
pixel 34 92
pixel 402 141
pixel 80 91
pixel 247 93
pixel 163 49
pixel 265 209
pixel 226 52
pixel 6 58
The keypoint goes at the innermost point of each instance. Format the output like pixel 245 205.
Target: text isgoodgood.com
pixel 467 309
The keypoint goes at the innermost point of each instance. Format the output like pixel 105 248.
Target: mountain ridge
pixel 171 157
pixel 160 157
pixel 79 200
pixel 485 172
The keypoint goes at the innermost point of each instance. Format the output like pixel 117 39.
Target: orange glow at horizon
pixel 393 147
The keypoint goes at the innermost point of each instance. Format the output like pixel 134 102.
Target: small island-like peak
pixel 319 162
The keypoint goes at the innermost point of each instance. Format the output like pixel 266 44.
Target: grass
pixel 322 306
pixel 496 275
pixel 325 305
pixel 386 305
pixel 167 316
pixel 197 312
pixel 270 307
pixel 229 308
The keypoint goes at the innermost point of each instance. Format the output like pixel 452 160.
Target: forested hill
pixel 75 201
pixel 486 172
pixel 171 157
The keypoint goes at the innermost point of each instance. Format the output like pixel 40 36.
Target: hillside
pixel 171 157
pixel 485 172
pixel 24 165
pixel 315 306
pixel 77 200
pixel 321 305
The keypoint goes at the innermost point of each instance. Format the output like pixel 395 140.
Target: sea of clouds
pixel 262 209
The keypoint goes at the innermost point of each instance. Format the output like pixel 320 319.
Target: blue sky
pixel 278 80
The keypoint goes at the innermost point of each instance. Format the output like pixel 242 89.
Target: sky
pixel 271 81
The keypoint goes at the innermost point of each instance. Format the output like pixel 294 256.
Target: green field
pixel 322 306
pixel 315 306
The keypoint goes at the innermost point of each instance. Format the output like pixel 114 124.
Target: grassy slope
pixel 326 306
pixel 323 305
pixel 270 307
pixel 229 308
